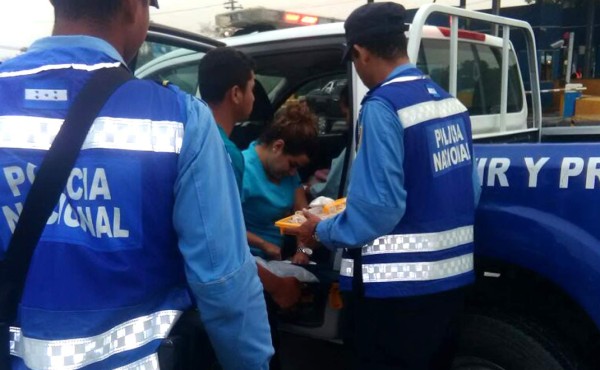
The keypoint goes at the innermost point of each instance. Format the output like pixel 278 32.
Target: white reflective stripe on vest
pixel 146 363
pixel 426 242
pixel 404 79
pixel 423 112
pixel 410 271
pixel 79 352
pixel 27 132
pixel 54 67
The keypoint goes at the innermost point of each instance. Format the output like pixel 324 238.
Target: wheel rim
pixel 474 363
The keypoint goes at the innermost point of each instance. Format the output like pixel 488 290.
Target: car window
pixel 185 77
pixel 323 97
pixel 162 62
pixel 150 51
pixel 490 62
pixel 270 83
pixel 478 76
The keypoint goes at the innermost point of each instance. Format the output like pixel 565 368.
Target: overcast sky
pixel 23 21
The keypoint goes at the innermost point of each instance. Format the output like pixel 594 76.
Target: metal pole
pixel 496 11
pixel 504 78
pixel 370 1
pixel 569 57
pixel 453 76
pixel 589 36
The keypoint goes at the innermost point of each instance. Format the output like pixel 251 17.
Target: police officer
pixel 408 225
pixel 150 221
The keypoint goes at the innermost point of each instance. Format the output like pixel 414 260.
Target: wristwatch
pixel 305 250
pixel 315 236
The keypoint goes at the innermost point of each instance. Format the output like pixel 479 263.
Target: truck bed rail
pixel 414 43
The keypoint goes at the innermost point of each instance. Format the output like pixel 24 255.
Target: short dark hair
pixel 100 10
pixel 389 47
pixel 220 70
pixel 296 125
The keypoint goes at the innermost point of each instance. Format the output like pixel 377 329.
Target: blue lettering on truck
pixel 540 209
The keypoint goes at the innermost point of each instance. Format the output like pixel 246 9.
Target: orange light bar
pixel 308 19
pixel 291 17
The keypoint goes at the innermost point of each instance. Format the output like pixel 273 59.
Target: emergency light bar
pixel 295 18
pixel 262 19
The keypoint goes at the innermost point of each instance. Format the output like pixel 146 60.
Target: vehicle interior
pixel 283 77
pixel 287 76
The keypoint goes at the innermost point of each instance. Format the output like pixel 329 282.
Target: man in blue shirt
pixel 150 222
pixel 408 225
pixel 226 81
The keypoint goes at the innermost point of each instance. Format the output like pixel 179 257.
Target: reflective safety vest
pixel 106 282
pixel 431 248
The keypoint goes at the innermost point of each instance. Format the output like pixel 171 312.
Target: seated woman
pixel 271 187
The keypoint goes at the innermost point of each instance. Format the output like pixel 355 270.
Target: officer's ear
pixel 360 54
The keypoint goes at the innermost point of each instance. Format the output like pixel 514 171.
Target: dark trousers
pixel 272 308
pixel 414 333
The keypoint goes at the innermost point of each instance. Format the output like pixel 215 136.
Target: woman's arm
pixel 300 200
pixel 270 249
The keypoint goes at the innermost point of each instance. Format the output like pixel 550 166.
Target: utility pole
pixel 569 57
pixel 495 11
pixel 232 5
pixel 589 36
pixel 462 23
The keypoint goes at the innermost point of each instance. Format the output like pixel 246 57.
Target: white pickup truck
pixel 536 302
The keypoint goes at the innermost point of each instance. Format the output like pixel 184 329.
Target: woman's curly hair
pixel 296 125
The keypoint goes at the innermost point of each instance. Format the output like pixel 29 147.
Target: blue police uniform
pixel 411 198
pixel 408 224
pixel 107 281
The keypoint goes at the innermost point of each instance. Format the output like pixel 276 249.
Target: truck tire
pixel 494 342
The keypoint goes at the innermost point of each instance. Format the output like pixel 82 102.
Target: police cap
pixel 371 22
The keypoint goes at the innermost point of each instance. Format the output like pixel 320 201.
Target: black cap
pixel 154 3
pixel 373 21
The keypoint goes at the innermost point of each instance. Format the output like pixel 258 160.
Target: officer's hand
pixel 305 232
pixel 273 251
pixel 288 292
